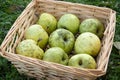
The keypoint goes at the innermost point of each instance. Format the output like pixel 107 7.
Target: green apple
pixel 48 22
pixel 87 42
pixel 69 22
pixel 92 25
pixel 37 33
pixel 62 38
pixel 57 55
pixel 29 48
pixel 82 61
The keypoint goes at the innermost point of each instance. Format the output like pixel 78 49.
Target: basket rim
pixel 77 4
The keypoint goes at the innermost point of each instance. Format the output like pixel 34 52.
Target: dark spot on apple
pixel 90 36
pixel 60 33
pixel 80 62
pixel 39 40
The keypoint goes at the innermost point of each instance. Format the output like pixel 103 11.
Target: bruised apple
pixel 70 22
pixel 30 49
pixel 57 55
pixel 92 25
pixel 48 22
pixel 38 34
pixel 88 43
pixel 82 61
pixel 62 38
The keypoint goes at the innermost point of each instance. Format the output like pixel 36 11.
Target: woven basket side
pixel 103 57
pixel 40 69
pixel 15 34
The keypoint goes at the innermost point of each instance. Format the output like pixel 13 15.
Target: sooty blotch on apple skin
pixel 60 33
pixel 40 39
pixel 90 36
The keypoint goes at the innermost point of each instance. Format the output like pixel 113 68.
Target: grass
pixel 11 9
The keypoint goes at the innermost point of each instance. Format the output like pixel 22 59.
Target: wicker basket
pixel 52 71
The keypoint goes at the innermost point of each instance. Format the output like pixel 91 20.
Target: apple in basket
pixel 82 61
pixel 62 38
pixel 89 43
pixel 37 33
pixel 48 22
pixel 92 25
pixel 57 55
pixel 69 22
pixel 29 48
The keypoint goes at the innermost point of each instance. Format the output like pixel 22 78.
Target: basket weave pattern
pixel 52 71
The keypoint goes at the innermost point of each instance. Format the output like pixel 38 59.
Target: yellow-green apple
pixel 37 33
pixel 70 22
pixel 82 61
pixel 87 42
pixel 92 25
pixel 57 55
pixel 48 22
pixel 29 48
pixel 62 38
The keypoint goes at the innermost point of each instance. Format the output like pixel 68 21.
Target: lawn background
pixel 11 9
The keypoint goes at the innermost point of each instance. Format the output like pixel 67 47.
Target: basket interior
pixel 58 8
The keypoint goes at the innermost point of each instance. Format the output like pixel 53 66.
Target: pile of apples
pixel 68 41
